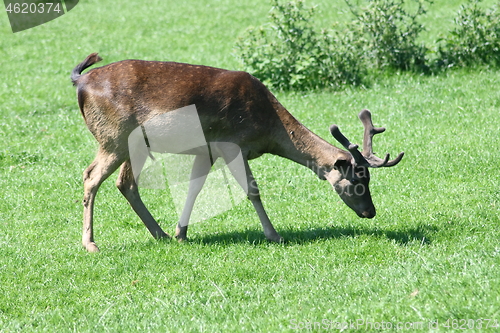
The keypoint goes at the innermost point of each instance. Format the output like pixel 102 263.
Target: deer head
pixel 350 176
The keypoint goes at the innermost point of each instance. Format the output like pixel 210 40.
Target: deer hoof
pixel 91 247
pixel 162 235
pixel 181 234
pixel 181 239
pixel 276 239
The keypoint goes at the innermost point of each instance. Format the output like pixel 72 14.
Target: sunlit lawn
pixel 431 254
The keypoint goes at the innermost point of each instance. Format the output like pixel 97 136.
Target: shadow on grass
pixel 422 234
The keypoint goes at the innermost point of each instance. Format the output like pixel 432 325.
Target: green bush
pixel 392 32
pixel 289 53
pixel 475 40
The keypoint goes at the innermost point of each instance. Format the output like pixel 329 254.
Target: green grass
pixel 432 253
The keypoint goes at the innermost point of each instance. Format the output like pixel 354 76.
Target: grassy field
pixel 431 257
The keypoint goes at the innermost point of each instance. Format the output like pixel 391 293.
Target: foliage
pixel 475 39
pixel 289 53
pixel 392 32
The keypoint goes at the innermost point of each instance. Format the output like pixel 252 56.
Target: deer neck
pixel 299 144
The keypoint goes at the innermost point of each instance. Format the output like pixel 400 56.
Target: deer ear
pixel 341 164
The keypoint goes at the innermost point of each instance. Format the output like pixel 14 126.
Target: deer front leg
pixel 249 184
pixel 128 187
pixel 254 196
pixel 201 167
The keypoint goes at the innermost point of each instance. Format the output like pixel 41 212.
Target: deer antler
pixel 366 158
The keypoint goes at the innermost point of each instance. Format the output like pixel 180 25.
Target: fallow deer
pixel 234 107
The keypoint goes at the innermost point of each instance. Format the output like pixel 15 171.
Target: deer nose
pixel 369 213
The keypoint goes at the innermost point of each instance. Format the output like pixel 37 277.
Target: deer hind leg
pixel 103 165
pixel 128 187
pixel 250 185
pixel 201 167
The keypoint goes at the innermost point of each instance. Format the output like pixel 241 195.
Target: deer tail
pixel 89 61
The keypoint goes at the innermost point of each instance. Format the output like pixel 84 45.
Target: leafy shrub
pixel 475 39
pixel 392 32
pixel 289 53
